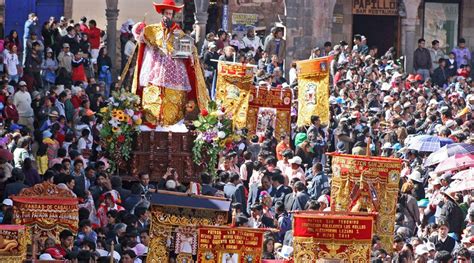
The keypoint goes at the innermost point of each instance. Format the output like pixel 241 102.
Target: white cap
pixel 170 184
pixel 421 250
pixel 433 102
pixel 7 202
pixel 450 124
pixel 385 86
pixel 22 83
pixel 45 256
pixel 387 145
pixel 286 252
pixel 430 246
pixel 387 99
pixel 416 176
pixel 296 160
pixel 323 199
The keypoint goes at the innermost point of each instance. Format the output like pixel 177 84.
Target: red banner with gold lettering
pixel 46 217
pixel 319 236
pixel 269 107
pixel 326 227
pixel 226 244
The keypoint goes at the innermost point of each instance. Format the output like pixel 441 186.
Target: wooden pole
pixel 112 252
pixel 367 149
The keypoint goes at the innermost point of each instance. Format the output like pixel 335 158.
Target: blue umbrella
pixel 428 143
pixel 447 151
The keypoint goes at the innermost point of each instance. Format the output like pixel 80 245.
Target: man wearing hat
pixel 161 75
pixel 22 101
pixel 65 58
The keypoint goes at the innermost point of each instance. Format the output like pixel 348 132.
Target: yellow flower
pixel 138 121
pixel 104 109
pixel 115 129
pixel 121 117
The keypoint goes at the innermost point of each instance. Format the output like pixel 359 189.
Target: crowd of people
pixel 57 79
pixel 376 109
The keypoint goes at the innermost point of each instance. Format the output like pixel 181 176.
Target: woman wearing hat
pixel 48 69
pixel 161 80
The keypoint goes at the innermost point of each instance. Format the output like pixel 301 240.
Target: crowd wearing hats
pixel 377 108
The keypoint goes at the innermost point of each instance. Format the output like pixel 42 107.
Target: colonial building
pixel 385 23
pixel 308 23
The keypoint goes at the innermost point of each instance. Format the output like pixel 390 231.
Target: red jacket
pixel 84 28
pixel 94 37
pixel 76 101
pixel 11 113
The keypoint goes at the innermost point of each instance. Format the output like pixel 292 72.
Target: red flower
pixel 223 109
pixel 204 112
pixel 121 138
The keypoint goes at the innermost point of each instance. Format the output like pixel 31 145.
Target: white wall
pixel 134 9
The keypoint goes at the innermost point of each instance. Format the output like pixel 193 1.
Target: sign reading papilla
pixel 225 244
pixel 375 7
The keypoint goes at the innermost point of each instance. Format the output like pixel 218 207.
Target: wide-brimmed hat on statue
pixel 168 4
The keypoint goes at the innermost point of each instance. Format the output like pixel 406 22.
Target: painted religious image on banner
pixel 441 22
pixel 266 117
pixel 186 241
pixel 230 257
pixel 310 95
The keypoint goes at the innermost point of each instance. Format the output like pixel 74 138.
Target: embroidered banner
pixel 226 244
pixel 329 236
pixel 13 240
pixel 46 210
pixel 234 83
pixel 313 90
pixel 269 107
pixel 326 227
pixel 174 224
pixel 367 184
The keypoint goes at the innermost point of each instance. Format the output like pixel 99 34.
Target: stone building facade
pixel 386 23
pixel 309 23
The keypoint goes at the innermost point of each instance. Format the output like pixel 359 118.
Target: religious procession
pixel 251 137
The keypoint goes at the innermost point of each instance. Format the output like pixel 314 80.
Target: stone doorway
pixel 381 31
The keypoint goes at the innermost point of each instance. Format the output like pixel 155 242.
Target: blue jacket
pixel 318 183
pixel 30 27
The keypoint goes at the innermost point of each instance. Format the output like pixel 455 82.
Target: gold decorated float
pixel 175 221
pixel 326 236
pixel 46 210
pixel 367 184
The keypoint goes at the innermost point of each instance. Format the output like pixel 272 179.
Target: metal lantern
pixel 183 47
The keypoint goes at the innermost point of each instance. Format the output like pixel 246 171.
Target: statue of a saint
pixel 164 81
